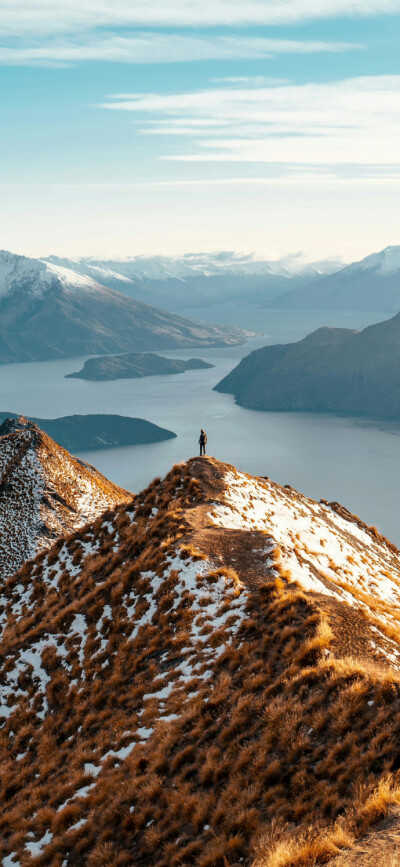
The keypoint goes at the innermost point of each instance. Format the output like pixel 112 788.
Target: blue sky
pixel 270 126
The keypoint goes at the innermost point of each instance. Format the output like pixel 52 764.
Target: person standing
pixel 202 442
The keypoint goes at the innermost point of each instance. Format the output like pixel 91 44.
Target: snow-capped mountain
pixel 161 268
pixel 50 311
pixel 44 493
pixel 21 274
pixel 198 672
pixel 371 284
pixel 384 263
pixel 198 278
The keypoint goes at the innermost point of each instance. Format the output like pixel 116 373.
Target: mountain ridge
pixel 203 670
pixel 373 283
pixel 48 311
pixel 195 279
pixel 44 492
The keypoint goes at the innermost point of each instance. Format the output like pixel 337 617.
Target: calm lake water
pixel 352 460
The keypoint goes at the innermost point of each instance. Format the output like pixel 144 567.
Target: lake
pixel 352 460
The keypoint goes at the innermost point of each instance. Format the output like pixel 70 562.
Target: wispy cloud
pixel 251 80
pixel 355 122
pixel 150 47
pixel 32 17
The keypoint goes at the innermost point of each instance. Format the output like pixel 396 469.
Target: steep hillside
pixel 333 369
pixel 48 311
pixel 371 284
pixel 134 365
pixel 44 493
pixel 97 431
pixel 204 676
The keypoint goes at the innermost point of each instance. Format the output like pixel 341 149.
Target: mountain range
pixel 48 311
pixel 44 493
pixel 198 279
pixel 332 369
pixel 370 284
pixel 206 675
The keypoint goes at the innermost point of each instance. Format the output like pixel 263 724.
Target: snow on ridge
pixel 322 551
pixel 49 493
pixel 70 278
pixel 20 518
pixel 386 262
pixel 216 603
pixel 36 276
pixel 133 269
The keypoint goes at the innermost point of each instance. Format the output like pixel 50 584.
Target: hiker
pixel 202 442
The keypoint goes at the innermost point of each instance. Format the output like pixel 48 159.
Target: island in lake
pixel 134 365
pixel 86 432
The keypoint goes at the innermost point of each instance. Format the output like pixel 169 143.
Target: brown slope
pixel 44 493
pixel 170 693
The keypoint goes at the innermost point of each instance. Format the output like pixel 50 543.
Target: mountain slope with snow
pixel 49 311
pixel 199 278
pixel 195 670
pixel 371 284
pixel 36 277
pixel 44 493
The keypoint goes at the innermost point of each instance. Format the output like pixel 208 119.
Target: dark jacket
pixel 203 439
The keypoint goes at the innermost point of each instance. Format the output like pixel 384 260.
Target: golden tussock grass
pixel 283 752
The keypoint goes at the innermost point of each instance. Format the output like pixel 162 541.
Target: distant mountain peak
pixel 36 277
pixel 190 265
pixel 385 263
pixel 373 283
pixel 48 310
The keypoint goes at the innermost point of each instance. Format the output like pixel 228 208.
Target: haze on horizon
pixel 266 127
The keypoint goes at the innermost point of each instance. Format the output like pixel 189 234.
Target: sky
pixel 137 128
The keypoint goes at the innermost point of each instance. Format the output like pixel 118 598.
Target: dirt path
pixel 245 551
